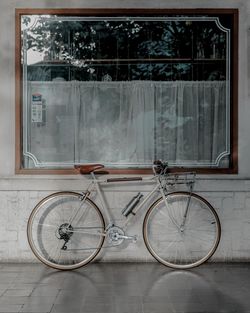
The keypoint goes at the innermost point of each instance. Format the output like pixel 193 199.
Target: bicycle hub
pixel 65 231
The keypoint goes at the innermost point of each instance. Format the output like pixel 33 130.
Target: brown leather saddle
pixel 89 168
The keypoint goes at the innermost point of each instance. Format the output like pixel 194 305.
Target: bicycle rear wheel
pixel 65 232
pixel 176 246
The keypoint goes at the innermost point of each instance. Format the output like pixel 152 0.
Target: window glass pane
pixel 125 91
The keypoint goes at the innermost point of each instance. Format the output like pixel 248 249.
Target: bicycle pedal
pixel 135 238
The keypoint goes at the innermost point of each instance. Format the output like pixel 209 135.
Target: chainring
pixel 113 234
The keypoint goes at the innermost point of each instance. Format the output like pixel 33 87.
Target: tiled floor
pixel 125 288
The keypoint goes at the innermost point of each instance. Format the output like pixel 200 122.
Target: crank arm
pixel 133 238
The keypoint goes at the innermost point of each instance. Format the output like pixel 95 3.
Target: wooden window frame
pixel 123 12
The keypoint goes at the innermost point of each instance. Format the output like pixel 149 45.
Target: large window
pixel 126 87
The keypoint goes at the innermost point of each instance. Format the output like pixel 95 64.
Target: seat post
pixel 93 176
pixel 102 199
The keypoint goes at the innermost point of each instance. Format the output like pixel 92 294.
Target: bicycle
pixel 66 230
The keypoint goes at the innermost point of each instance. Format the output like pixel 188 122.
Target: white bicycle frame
pixel 95 185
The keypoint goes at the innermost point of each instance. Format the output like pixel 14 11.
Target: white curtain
pixel 191 122
pixel 127 123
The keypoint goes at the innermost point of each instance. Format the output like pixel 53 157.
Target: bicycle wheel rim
pixel 44 236
pixel 176 249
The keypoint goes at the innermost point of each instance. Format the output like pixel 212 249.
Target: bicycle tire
pixel 50 230
pixel 176 248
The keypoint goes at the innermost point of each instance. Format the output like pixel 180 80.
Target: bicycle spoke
pixel 188 246
pixel 60 244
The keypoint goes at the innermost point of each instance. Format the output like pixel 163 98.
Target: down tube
pixel 141 204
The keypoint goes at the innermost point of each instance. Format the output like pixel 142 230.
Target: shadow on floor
pixel 125 288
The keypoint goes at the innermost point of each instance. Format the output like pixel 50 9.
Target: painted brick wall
pixel 230 198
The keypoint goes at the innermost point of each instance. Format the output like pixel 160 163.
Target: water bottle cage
pixel 131 205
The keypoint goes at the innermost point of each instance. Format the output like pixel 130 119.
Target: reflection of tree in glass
pixel 127 50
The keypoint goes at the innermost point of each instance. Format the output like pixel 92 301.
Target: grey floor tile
pixel 36 308
pixel 125 288
pixel 97 307
pixel 158 307
pixel 13 300
pixel 99 299
pixel 7 278
pixel 66 296
pixel 40 300
pixel 18 292
pixel 128 307
pixel 194 307
pixel 7 308
pixel 19 285
pixel 45 290
pixel 97 290
pixel 64 308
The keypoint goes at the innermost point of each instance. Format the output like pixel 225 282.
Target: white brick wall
pixel 233 208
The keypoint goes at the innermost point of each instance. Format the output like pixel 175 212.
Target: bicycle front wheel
pixel 178 241
pixel 65 232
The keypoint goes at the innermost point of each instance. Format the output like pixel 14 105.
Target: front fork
pixel 181 227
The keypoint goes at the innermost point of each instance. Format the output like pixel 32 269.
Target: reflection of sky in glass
pixel 32 55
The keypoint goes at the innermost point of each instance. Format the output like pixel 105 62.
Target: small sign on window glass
pixel 36 108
